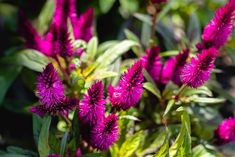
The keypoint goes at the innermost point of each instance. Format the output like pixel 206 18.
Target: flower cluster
pixel 50 92
pixel 102 131
pixel 57 40
pixel 160 72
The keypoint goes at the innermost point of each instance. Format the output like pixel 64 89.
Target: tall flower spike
pixel 197 72
pixel 104 134
pixel 58 34
pixel 50 88
pixel 129 91
pixel 225 132
pixel 219 28
pixel 91 108
pixel 151 61
pixel 181 60
pixel 83 25
pixel 158 1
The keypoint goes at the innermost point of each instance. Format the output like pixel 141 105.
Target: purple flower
pixel 91 108
pixel 62 108
pixel 50 88
pixel 180 61
pixel 151 62
pixel 197 72
pixel 225 132
pixel 50 91
pixel 56 41
pixel 129 91
pixel 104 134
pixel 83 25
pixel 219 28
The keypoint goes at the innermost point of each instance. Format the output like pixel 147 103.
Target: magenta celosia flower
pixel 129 91
pixel 56 41
pixel 61 108
pixel 91 108
pixel 151 62
pixel 50 91
pixel 197 72
pixel 180 61
pixel 225 132
pixel 219 28
pixel 82 25
pixel 50 88
pixel 104 134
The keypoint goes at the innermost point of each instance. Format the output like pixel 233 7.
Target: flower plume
pixel 197 72
pixel 129 91
pixel 91 108
pixel 218 30
pixel 104 134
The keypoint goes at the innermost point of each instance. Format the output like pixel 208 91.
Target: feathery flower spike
pixel 91 108
pixel 129 91
pixel 82 25
pixel 104 134
pixel 197 72
pixel 219 28
pixel 225 132
pixel 50 88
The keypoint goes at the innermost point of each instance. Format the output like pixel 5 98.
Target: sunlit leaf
pixel 130 145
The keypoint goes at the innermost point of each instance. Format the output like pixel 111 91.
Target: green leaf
pixel 150 87
pixel 114 52
pixel 131 145
pixel 106 45
pixel 63 143
pixel 130 117
pixel 102 74
pixel 45 16
pixel 202 151
pixel 197 99
pixel 8 74
pixel 128 7
pixel 164 150
pixel 20 151
pixel 92 48
pixel 144 18
pixel 131 36
pixel 29 58
pixel 12 155
pixel 37 125
pixel 114 150
pixel 169 53
pixel 182 145
pixel 106 5
pixel 201 90
pixel 43 142
pixel 169 106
